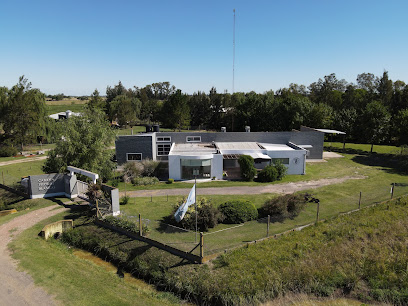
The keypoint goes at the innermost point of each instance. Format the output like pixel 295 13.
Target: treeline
pixel 372 110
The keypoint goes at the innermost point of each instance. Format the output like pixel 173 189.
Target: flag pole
pixel 195 201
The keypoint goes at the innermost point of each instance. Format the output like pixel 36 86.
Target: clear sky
pixel 75 46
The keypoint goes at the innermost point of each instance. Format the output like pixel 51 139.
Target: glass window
pixel 163 139
pixel 193 138
pixel 200 168
pixel 134 156
pixel 284 161
pixel 163 149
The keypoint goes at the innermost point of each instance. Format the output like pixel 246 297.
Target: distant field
pixel 56 108
pixel 66 102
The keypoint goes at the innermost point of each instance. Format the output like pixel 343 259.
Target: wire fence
pixel 225 237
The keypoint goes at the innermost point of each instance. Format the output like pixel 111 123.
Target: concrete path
pixel 18 288
pixel 276 188
pixel 22 160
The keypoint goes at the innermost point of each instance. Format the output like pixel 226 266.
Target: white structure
pixel 209 160
pixel 63 115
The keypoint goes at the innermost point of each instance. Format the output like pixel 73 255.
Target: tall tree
pixel 175 112
pixel 385 89
pixel 96 101
pixel 85 144
pixel 23 113
pixel 375 122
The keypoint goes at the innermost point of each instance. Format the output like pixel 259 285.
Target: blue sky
pixel 74 46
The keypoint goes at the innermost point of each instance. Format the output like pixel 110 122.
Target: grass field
pixel 56 108
pixel 363 148
pixel 13 173
pixel 66 102
pixel 78 281
pixel 362 255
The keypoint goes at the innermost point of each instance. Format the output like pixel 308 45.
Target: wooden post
pixel 140 225
pixel 317 214
pixel 392 190
pixel 359 201
pixel 267 226
pixel 201 245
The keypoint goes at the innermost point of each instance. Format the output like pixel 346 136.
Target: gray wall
pixel 46 185
pixel 143 144
pixel 133 144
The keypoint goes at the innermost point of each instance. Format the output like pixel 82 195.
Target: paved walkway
pixel 22 160
pixel 18 288
pixel 275 188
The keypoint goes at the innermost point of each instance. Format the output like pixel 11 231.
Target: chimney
pixel 247 129
pixel 223 129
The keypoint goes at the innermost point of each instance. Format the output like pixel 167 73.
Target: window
pixel 163 139
pixel 163 149
pixel 193 138
pixel 134 156
pixel 284 161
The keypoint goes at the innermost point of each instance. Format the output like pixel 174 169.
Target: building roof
pixel 57 116
pixel 328 131
pixel 276 147
pixel 193 149
pixel 238 146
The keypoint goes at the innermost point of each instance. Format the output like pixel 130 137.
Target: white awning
pixel 327 131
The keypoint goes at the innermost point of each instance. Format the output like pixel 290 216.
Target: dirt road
pixel 276 188
pixel 23 160
pixel 17 288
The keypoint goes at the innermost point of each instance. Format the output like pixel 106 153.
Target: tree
pixel 96 101
pixel 175 112
pixel 124 109
pixel 248 170
pixel 24 112
pixel 375 122
pixel 85 144
pixel 401 127
pixel 385 89
pixel 368 82
pixel 200 109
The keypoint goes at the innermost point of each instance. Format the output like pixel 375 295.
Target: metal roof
pixel 328 131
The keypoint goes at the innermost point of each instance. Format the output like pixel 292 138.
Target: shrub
pixel 115 182
pixel 248 170
pixel 170 181
pixel 149 167
pixel 287 206
pixel 94 192
pixel 7 151
pixel 125 224
pixel 280 169
pixel 238 211
pixel 124 200
pixel 207 215
pixel 268 174
pixel 132 170
pixel 143 181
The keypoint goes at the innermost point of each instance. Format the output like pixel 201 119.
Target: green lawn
pixel 334 199
pixel 56 108
pixel 79 281
pixel 13 173
pixel 364 148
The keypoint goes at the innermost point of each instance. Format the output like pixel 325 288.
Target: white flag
pixel 181 211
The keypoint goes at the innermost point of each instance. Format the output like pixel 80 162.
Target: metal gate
pixel 82 189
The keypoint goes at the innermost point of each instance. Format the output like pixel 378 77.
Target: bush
pixel 280 169
pixel 170 181
pixel 207 215
pixel 248 170
pixel 125 224
pixel 143 181
pixel 132 170
pixel 7 151
pixel 238 211
pixel 268 174
pixel 287 206
pixel 94 192
pixel 124 200
pixel 115 182
pixel 149 167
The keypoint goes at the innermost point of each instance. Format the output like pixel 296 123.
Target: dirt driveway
pixel 276 188
pixel 23 160
pixel 17 288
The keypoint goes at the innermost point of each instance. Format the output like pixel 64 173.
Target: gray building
pixel 206 154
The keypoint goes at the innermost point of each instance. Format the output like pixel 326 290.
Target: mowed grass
pixel 13 173
pixel 76 281
pixel 56 108
pixel 382 149
pixel 374 183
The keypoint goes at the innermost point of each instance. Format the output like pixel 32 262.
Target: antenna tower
pixel 233 55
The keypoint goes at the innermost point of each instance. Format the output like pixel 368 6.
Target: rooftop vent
pixel 247 129
pixel 156 128
pixel 223 129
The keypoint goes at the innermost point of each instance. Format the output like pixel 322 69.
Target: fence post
pixel 140 225
pixel 392 190
pixel 359 201
pixel 267 226
pixel 201 245
pixel 318 208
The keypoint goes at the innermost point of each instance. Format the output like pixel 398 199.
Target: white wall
pixel 293 168
pixel 217 166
